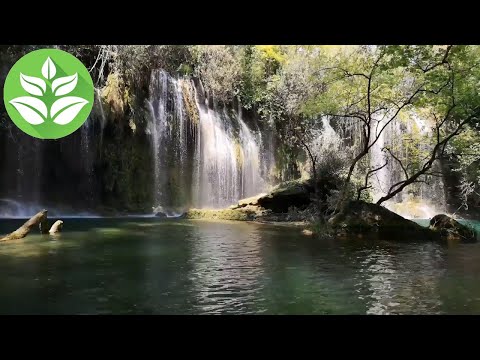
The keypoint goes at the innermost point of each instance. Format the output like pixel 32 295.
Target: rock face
pixel 360 218
pixel 281 198
pixel 450 229
pixel 291 193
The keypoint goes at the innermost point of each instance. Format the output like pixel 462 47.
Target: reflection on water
pixel 393 281
pixel 226 274
pixel 153 266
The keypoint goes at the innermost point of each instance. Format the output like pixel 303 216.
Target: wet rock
pixel 159 212
pixel 362 219
pixel 307 232
pixel 291 193
pixel 451 229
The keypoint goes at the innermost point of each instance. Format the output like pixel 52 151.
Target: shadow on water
pixel 152 266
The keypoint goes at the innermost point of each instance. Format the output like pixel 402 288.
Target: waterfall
pixel 169 132
pixel 210 162
pixel 230 163
pixel 218 181
pixel 380 180
pixel 87 156
pixel 203 155
pixel 53 174
pixel 98 105
pixel 421 200
pixel 409 141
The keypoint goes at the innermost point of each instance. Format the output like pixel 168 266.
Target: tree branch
pixel 398 160
pixel 367 176
pixel 434 155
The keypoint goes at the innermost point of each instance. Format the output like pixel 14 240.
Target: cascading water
pixel 406 139
pixel 42 172
pixel 230 164
pixel 101 114
pixel 208 162
pixel 169 131
pixel 409 140
pixel 380 180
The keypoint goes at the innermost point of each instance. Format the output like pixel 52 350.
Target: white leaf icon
pixel 33 85
pixel 64 85
pixel 48 69
pixel 66 108
pixel 31 109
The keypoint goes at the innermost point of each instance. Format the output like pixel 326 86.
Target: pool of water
pixel 152 266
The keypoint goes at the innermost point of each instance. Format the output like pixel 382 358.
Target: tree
pixel 375 85
pixel 219 70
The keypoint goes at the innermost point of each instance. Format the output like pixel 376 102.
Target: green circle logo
pixel 48 94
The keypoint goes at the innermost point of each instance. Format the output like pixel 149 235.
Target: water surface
pixel 152 266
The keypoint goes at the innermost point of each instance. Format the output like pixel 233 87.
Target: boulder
pixel 251 201
pixel 451 229
pixel 285 195
pixel 159 212
pixel 360 219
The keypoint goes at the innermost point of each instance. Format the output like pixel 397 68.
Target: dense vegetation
pixel 293 87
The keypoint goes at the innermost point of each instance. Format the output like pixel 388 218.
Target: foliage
pixel 219 70
pixel 294 88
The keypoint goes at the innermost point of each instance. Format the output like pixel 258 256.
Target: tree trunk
pixel 40 219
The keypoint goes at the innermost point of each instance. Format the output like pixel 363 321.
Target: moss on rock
pixel 451 230
pixel 189 101
pixel 114 93
pixel 222 214
pixel 360 218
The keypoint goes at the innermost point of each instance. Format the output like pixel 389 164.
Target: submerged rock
pixel 307 232
pixel 159 212
pixel 360 218
pixel 451 229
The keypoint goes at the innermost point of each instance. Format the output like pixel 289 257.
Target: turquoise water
pixel 152 266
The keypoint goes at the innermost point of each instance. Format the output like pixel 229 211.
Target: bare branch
pixel 367 177
pixel 440 146
pixel 442 62
pixel 398 160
